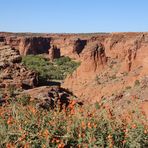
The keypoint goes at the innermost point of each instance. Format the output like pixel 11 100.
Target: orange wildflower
pixel 89 125
pixel 145 131
pixel 61 145
pixel 43 146
pixel 9 145
pixel 72 112
pixel 27 145
pixel 94 125
pixel 9 121
pixel 79 135
pixel 124 141
pixel 21 138
pixel 57 140
pixel 109 137
pixel 83 135
pixel 32 109
pixel 83 124
pixel 52 141
pixel 134 126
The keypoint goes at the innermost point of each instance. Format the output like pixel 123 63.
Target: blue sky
pixel 73 16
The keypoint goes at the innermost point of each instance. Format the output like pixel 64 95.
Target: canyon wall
pixel 109 62
pixel 69 44
pixel 122 60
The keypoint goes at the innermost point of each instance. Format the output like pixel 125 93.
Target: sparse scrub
pixel 113 77
pixel 137 83
pixel 97 79
pixel 128 87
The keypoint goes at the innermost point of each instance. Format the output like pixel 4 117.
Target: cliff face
pixel 109 62
pixel 35 45
pixel 117 64
pixel 68 45
pixel 129 48
pixel 29 45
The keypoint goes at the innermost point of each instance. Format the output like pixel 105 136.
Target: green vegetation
pixel 57 70
pixel 87 126
pixel 97 79
pixel 137 83
pixel 128 87
pixel 22 124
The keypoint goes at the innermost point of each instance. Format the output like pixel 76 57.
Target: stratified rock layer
pixel 109 62
pixel 13 73
pixel 115 65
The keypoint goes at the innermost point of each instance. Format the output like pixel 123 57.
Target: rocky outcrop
pixel 54 53
pixel 93 61
pixel 128 48
pixel 27 44
pixel 13 73
pixel 8 56
pixel 18 76
pixel 70 45
pixel 34 45
pixel 93 57
pixel 49 97
pixel 109 62
pixel 2 41
pixel 79 46
pixel 122 61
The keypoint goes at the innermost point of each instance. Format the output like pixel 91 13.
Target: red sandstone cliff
pixel 109 62
pixel 113 66
pixel 69 44
pixel 122 62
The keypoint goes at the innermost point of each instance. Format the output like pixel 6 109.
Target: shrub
pixel 38 64
pixel 57 70
pixel 11 91
pixel 88 126
pixel 97 79
pixel 62 60
pixel 128 87
pixel 137 83
pixel 24 100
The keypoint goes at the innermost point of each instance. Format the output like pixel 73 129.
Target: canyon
pixel 113 65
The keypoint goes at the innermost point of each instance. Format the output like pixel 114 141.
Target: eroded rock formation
pixel 8 56
pixel 49 97
pixel 69 44
pixel 79 45
pixel 54 53
pixel 13 73
pixel 122 61
pixel 109 62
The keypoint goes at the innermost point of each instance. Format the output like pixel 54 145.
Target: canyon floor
pixel 74 90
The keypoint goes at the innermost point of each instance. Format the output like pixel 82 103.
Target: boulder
pixel 48 97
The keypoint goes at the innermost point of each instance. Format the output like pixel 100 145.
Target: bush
pixel 24 100
pixel 137 83
pixel 88 126
pixel 62 60
pixel 57 70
